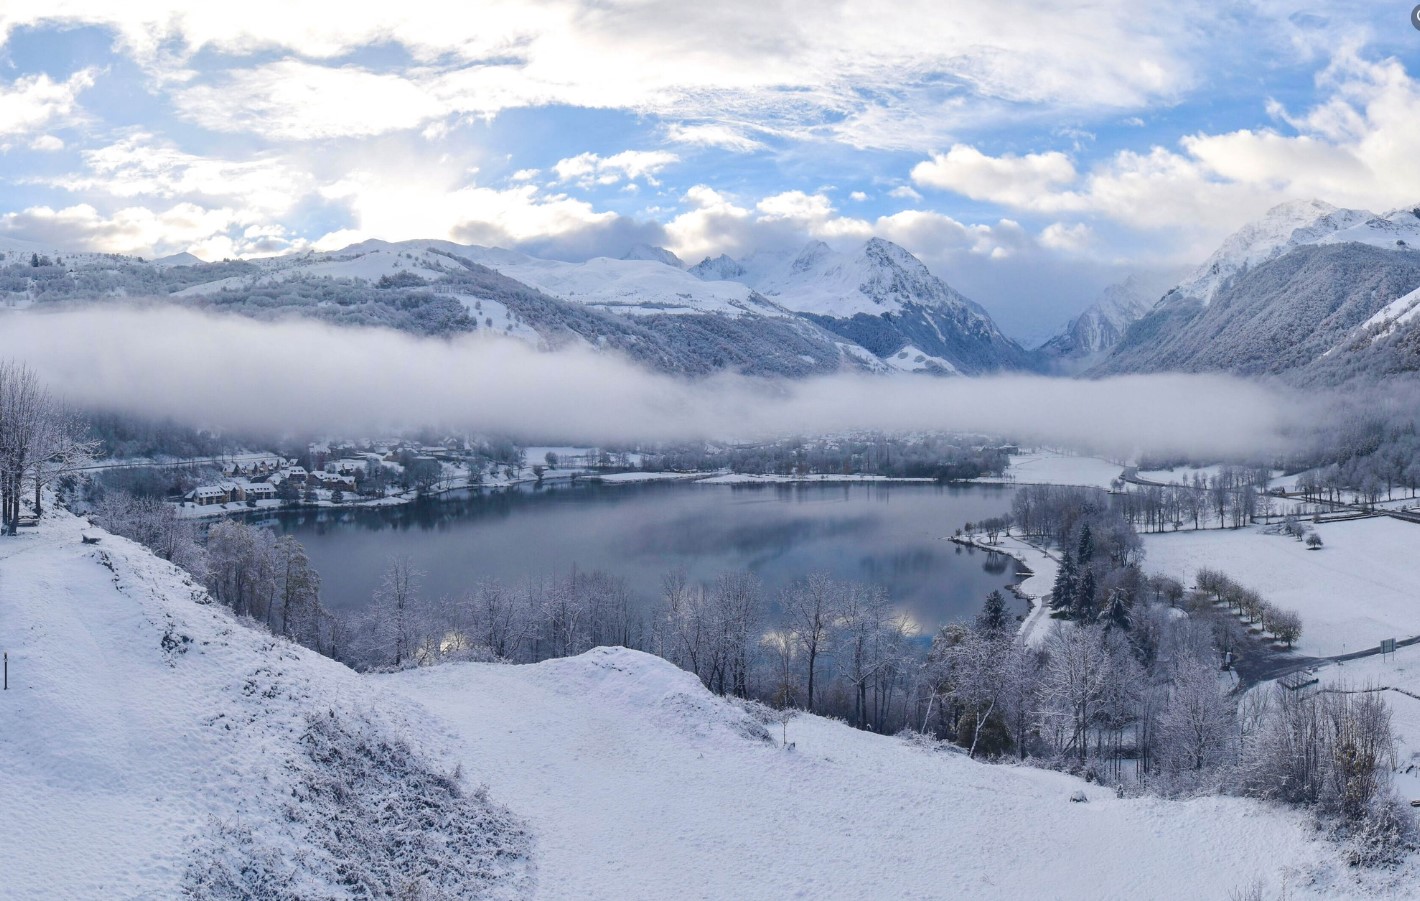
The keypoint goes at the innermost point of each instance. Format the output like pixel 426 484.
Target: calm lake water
pixel 889 535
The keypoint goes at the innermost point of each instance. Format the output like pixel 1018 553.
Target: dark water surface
pixel 889 535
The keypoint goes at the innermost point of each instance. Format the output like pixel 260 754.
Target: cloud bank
pixel 307 378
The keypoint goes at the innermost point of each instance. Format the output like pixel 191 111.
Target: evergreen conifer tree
pixel 992 617
pixel 1062 593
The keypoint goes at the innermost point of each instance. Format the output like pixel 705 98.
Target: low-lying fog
pixel 301 376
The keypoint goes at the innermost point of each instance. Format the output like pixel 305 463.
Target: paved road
pixel 1260 661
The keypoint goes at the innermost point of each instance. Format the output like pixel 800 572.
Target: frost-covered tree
pixel 389 633
pixel 811 606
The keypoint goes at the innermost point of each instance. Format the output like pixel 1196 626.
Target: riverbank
pixel 1036 582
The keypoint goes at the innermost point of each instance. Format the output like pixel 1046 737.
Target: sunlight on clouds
pixel 590 168
pixel 722 136
pixel 33 101
pixel 301 101
pixel 210 233
pixel 141 165
pixel 1355 147
pixel 1009 179
pixel 788 67
pixel 395 210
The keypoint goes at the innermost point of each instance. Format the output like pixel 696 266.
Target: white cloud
pixel 31 102
pixel 47 143
pixel 1009 179
pixel 143 166
pixel 296 100
pixel 858 197
pixel 722 136
pixel 1355 147
pixel 209 233
pixel 385 206
pixel 904 192
pixel 851 69
pixel 1073 238
pixel 589 169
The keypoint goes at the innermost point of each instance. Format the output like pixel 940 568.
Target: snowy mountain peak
pixel 811 256
pixel 179 259
pixel 1090 335
pixel 880 296
pixel 653 254
pixel 1284 227
pixel 721 268
pixel 886 253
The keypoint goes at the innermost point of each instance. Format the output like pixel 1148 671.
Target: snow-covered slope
pixel 1281 317
pixel 151 744
pixel 641 283
pixel 1399 314
pixel 1301 292
pixel 877 308
pixel 631 286
pixel 179 259
pixel 880 296
pixel 1396 230
pixel 639 784
pixel 1284 227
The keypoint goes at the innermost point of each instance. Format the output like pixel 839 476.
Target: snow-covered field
pixel 1181 475
pixel 1046 467
pixel 1361 587
pixel 639 784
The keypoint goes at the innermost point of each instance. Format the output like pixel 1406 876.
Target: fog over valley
pixel 235 373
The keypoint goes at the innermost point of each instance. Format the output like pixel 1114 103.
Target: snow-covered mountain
pixel 880 297
pixel 876 309
pixel 1284 227
pixel 1088 337
pixel 1287 295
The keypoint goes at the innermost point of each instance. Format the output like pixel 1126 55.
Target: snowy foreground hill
pixel 151 744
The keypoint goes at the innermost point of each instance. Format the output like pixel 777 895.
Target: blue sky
pixel 1029 153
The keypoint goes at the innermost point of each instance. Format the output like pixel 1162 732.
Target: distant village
pixel 339 474
pixel 254 480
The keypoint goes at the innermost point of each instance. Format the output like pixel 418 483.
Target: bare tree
pixel 811 608
pixel 25 408
pixel 394 606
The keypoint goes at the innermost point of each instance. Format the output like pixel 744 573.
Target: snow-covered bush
pixel 367 818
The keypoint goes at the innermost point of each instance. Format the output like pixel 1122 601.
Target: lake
pixel 892 535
